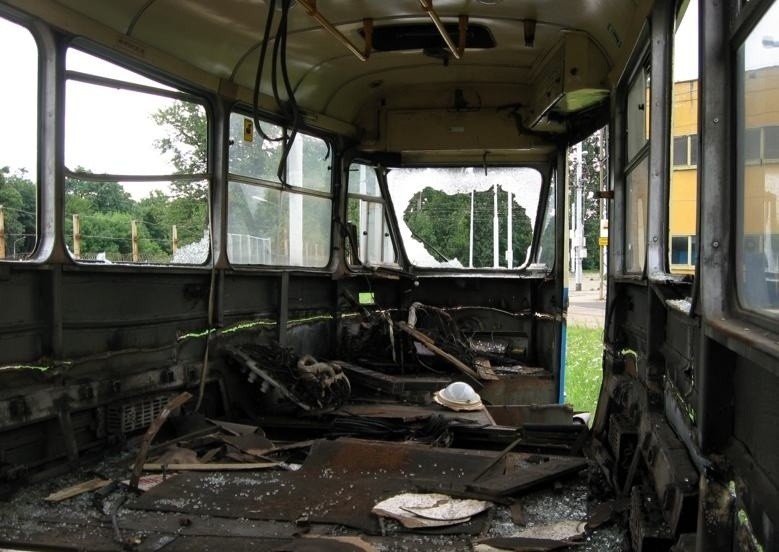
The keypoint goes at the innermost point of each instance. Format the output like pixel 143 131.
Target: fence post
pixel 134 236
pixel 76 237
pixel 2 232
pixel 174 238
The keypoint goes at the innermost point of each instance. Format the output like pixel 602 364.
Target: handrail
pixel 367 25
pixel 459 50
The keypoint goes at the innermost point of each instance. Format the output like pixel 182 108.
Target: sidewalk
pixel 584 307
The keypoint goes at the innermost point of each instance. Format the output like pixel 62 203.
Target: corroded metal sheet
pixel 413 413
pixel 339 483
pixel 530 477
pixel 221 544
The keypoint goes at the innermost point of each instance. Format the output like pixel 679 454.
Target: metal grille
pixel 130 416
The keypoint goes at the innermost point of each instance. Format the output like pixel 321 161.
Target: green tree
pixel 104 197
pixel 442 222
pixel 18 198
pixel 190 218
pixel 186 139
pixel 111 233
pixel 594 158
pixel 154 212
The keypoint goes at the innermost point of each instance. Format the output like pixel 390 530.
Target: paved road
pixel 584 307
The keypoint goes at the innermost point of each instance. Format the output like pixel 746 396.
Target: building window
pixel 684 251
pixel 685 151
pixel 680 151
pixel 693 150
pixel 752 138
pixel 680 250
pixel 771 143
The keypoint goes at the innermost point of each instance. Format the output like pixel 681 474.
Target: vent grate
pixel 125 418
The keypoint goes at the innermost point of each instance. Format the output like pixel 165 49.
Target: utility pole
pixel 603 159
pixel 174 240
pixel 578 225
pixel 134 239
pixel 2 232
pixel 509 231
pixel 470 245
pixel 76 236
pixel 495 232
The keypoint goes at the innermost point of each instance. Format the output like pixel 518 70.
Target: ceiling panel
pixel 222 38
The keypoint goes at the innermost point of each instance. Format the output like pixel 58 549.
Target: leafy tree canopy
pixel 442 222
pixel 19 201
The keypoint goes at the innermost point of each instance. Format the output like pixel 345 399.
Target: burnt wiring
pixel 258 76
pixel 114 513
pixel 424 365
pixel 289 108
pixel 211 311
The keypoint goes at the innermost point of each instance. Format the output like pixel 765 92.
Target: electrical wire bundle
pixel 289 107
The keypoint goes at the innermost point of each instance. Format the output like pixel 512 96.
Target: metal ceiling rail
pixel 367 25
pixel 457 51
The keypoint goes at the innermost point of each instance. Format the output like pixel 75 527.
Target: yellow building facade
pixel 757 173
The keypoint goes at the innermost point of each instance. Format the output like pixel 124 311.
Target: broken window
pixel 18 148
pixel 546 252
pixel 136 182
pixel 270 222
pixel 463 218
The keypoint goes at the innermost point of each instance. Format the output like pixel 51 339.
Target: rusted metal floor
pixel 339 483
pixel 28 523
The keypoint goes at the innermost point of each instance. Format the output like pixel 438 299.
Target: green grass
pixel 583 367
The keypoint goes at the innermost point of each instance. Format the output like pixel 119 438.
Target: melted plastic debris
pixel 567 529
pixel 415 510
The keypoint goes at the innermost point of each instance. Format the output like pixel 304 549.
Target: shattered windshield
pixel 461 218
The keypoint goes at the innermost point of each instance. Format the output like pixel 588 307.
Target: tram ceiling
pixel 544 60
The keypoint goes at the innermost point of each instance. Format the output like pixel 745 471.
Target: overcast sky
pixel 107 130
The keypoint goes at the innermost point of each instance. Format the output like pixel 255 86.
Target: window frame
pixel 746 21
pixel 181 93
pixel 641 67
pixel 723 317
pixel 388 229
pixel 245 111
pixel 24 22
